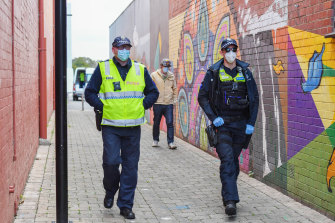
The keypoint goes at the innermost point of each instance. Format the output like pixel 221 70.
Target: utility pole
pixel 61 112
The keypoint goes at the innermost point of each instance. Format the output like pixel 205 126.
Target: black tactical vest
pixel 233 91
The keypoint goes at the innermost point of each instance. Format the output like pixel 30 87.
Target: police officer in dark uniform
pixel 229 97
pixel 125 90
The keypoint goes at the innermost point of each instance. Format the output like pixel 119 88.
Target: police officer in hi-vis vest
pixel 229 97
pixel 122 89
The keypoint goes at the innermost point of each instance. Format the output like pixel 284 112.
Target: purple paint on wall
pixel 301 129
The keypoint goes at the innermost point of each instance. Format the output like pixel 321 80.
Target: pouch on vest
pixel 237 103
pixel 98 119
pixel 212 135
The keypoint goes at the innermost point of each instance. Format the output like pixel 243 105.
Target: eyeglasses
pixel 234 49
pixel 127 47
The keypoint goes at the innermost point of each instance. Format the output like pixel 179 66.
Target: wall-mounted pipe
pixel 13 82
pixel 42 74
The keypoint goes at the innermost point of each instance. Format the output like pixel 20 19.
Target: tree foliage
pixel 83 62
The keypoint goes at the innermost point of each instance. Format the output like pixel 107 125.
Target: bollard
pixel 82 101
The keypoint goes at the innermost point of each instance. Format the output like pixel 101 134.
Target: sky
pixel 90 23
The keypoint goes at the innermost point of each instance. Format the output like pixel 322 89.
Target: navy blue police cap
pixel 166 62
pixel 121 40
pixel 227 42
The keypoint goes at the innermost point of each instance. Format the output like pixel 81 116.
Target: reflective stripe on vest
pixel 137 68
pixel 133 122
pixel 123 107
pixel 107 66
pixel 121 95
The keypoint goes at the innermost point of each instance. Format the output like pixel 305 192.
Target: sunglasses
pixel 234 49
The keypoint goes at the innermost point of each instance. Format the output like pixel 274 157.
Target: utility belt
pixel 213 132
pixel 230 119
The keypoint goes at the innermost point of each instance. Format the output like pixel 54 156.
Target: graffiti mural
pixel 331 170
pixel 293 65
pixel 295 81
pixel 196 53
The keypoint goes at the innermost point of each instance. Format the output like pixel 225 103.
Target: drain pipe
pixel 42 74
pixel 12 186
pixel 13 83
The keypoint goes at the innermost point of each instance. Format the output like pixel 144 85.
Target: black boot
pixel 108 202
pixel 230 208
pixel 127 213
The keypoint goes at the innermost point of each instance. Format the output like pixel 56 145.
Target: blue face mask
pixel 123 54
pixel 165 69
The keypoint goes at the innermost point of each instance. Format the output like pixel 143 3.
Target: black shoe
pixel 127 213
pixel 230 208
pixel 108 202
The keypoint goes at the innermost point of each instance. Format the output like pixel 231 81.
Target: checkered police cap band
pixel 227 42
pixel 120 40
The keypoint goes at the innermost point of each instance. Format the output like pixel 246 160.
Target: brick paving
pixel 173 186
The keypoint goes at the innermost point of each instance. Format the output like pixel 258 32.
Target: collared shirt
pixel 92 90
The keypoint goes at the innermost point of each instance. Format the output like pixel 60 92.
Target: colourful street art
pixel 293 64
pixel 294 71
pixel 331 170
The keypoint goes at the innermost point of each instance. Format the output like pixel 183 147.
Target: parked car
pixel 82 76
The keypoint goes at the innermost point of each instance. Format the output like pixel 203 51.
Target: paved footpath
pixel 174 186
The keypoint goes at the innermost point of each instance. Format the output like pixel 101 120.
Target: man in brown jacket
pixel 166 84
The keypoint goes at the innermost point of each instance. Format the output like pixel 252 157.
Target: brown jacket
pixel 167 88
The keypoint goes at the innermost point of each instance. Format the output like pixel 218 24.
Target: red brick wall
pixel 312 15
pixel 21 108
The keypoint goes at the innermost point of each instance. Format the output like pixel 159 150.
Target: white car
pixel 80 83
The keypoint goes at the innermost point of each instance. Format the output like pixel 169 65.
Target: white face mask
pixel 230 56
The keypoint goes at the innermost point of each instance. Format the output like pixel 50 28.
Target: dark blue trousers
pixel 121 146
pixel 231 138
pixel 167 111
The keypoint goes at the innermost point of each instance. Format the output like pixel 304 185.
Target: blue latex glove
pixel 249 129
pixel 218 122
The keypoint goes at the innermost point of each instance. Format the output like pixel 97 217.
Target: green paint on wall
pixel 278 176
pixel 309 166
pixel 331 134
pixel 328 71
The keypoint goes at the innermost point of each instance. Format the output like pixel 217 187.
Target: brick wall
pixel 293 65
pixel 19 99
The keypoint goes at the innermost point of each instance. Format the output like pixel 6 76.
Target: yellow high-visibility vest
pixel 122 107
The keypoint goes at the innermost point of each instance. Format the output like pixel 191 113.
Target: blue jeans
pixel 121 146
pixel 231 139
pixel 159 111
